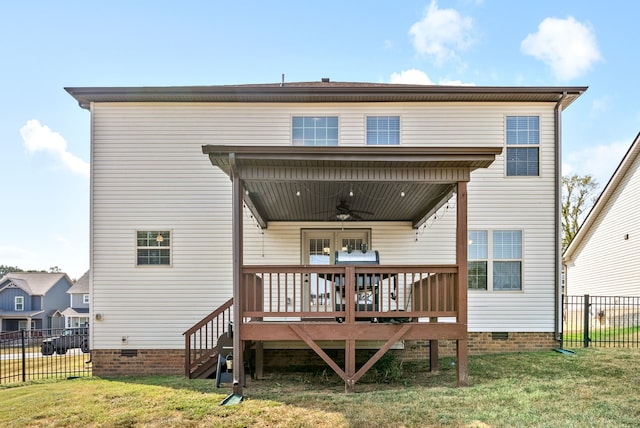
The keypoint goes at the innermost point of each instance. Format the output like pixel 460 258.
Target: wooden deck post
pixel 237 250
pixel 349 364
pixel 461 261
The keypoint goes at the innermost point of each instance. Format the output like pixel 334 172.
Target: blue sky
pixel 49 45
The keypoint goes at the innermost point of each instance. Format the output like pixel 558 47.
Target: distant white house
pixel 192 187
pixel 603 259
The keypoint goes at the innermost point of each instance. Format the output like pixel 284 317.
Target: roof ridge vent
pixel 325 80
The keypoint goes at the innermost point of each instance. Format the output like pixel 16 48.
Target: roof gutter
pixel 558 217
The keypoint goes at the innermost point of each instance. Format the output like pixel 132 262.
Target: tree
pixel 577 199
pixel 7 269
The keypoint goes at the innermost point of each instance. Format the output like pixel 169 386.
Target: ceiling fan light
pixel 343 216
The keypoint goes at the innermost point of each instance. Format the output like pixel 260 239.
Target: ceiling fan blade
pixel 361 212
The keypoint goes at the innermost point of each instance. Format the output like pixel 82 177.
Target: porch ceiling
pixel 381 183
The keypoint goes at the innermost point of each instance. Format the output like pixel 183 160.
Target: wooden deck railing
pixel 201 340
pixel 349 293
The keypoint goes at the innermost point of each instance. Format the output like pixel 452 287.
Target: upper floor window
pixel 315 130
pixel 523 145
pixel 19 303
pixel 154 247
pixel 383 130
pixel 85 299
pixel 495 260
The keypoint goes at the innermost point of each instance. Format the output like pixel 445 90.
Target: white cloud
pixel 455 83
pixel 15 256
pixel 442 33
pixel 600 161
pixel 417 77
pixel 412 76
pixel 601 105
pixel 40 138
pixel 566 45
pixel 63 241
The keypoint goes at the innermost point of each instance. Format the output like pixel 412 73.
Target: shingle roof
pixel 36 283
pixel 326 91
pixel 81 286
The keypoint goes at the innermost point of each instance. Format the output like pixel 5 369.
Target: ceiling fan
pixel 344 212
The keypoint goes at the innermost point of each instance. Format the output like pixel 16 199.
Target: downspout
pixel 237 251
pixel 558 218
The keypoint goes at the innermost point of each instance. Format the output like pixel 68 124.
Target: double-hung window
pixel 153 247
pixel 495 260
pixel 85 299
pixel 478 259
pixel 19 303
pixel 383 130
pixel 314 130
pixel 523 146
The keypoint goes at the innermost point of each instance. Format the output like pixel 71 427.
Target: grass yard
pixel 595 387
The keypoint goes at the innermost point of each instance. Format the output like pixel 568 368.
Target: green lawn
pixel 596 387
pixel 622 335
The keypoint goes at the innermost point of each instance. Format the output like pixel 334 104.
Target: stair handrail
pixel 191 363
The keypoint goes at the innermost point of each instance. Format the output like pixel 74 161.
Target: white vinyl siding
pixel 149 173
pixel 606 263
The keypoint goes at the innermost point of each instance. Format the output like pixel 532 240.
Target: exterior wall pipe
pixel 558 215
pixel 237 250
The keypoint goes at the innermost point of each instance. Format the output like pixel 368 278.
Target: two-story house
pixel 77 313
pixel 32 300
pixel 426 216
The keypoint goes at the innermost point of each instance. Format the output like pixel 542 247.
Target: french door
pixel 318 248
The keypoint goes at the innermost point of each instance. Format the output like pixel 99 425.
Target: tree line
pixel 5 269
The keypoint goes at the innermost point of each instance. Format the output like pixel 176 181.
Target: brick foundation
pixel 116 362
pixel 482 343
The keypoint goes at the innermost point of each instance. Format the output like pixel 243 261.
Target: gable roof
pixel 326 91
pixel 81 286
pixel 632 156
pixel 34 283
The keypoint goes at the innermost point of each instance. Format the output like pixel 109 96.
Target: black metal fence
pixel 601 321
pixel 39 354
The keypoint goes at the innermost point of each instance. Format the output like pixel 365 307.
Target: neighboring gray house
pixel 603 258
pixel 32 300
pixel 77 314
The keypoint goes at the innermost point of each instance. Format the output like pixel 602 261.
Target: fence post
pixel 24 357
pixel 586 313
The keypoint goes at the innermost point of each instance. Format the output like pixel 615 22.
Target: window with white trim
pixel 523 146
pixel 153 247
pixel 495 260
pixel 383 130
pixel 85 299
pixel 314 130
pixel 19 303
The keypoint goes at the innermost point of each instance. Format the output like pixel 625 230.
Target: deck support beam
pixel 461 261
pixel 349 374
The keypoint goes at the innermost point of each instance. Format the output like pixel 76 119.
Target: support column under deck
pixel 461 261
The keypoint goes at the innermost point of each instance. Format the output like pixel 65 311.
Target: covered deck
pixel 387 303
